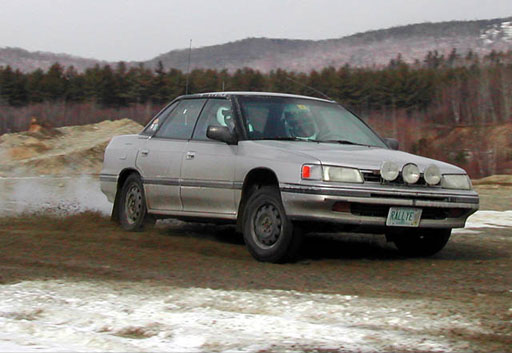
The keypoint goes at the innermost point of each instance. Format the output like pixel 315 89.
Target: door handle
pixel 190 155
pixel 144 153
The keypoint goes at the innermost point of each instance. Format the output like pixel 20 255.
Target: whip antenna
pixel 188 65
pixel 311 88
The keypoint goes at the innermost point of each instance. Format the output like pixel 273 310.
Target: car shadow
pixel 221 233
pixel 347 246
pixel 341 246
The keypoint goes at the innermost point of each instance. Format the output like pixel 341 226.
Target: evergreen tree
pixel 54 83
pixel 13 87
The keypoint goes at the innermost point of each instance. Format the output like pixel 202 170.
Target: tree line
pixel 454 88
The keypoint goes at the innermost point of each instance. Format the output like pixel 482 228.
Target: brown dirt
pixel 494 180
pixel 480 150
pixel 471 277
pixel 62 151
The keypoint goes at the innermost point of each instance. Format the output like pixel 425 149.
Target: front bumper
pixel 369 206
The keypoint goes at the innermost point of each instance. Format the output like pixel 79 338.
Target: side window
pixel 256 117
pixel 155 123
pixel 180 123
pixel 217 112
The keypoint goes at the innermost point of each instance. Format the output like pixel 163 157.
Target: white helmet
pixel 224 117
pixel 299 122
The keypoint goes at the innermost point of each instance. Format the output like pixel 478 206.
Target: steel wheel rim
pixel 267 226
pixel 133 204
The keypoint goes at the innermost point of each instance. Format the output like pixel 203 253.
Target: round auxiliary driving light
pixel 432 175
pixel 410 173
pixel 389 171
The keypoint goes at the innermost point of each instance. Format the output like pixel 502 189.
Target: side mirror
pixel 392 143
pixel 221 133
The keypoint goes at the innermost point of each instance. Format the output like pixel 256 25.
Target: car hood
pixel 361 157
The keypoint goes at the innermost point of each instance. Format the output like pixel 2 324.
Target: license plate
pixel 404 217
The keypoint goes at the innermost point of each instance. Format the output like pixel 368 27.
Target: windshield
pixel 283 118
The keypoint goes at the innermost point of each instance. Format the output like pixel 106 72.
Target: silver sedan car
pixel 277 166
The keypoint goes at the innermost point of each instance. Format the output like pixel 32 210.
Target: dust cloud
pixel 61 196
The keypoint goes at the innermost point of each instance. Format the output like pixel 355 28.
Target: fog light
pixel 389 171
pixel 410 173
pixel 432 175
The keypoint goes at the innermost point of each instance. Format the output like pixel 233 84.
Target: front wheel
pixel 421 242
pixel 268 233
pixel 133 214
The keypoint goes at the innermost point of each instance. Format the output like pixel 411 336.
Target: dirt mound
pixel 504 180
pixel 61 151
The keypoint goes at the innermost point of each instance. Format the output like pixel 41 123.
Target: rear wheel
pixel 268 233
pixel 132 209
pixel 422 242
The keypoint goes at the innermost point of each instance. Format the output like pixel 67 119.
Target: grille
pixel 371 177
pixel 374 177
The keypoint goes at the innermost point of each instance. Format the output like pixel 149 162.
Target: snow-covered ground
pixel 486 219
pixel 490 219
pixel 85 316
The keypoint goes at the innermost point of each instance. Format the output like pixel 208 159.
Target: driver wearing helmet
pixel 300 123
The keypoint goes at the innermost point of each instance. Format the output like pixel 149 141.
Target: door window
pixel 181 121
pixel 156 122
pixel 217 112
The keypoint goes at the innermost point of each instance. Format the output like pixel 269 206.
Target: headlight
pixel 456 181
pixel 432 175
pixel 342 174
pixel 410 173
pixel 389 171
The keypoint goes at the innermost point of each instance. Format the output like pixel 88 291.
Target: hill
pixel 28 61
pixel 372 48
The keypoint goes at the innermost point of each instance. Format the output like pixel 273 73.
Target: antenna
pixel 311 88
pixel 188 65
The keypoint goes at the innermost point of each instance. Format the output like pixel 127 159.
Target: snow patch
pixel 497 32
pixel 486 219
pixel 87 316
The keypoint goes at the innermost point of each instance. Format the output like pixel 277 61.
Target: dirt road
pixel 79 282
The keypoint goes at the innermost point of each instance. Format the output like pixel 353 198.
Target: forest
pixel 416 102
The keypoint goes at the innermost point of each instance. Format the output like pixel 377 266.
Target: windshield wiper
pixel 281 138
pixel 343 142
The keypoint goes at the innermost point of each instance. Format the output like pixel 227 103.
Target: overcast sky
pixel 141 29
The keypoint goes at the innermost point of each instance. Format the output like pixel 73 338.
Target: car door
pixel 159 160
pixel 208 168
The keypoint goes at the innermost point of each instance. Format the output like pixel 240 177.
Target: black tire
pixel 133 214
pixel 421 242
pixel 269 234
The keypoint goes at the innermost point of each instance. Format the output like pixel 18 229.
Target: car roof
pixel 249 93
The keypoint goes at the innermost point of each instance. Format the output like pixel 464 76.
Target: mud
pixel 75 281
